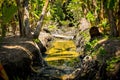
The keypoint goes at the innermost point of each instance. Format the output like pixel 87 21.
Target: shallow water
pixel 62 54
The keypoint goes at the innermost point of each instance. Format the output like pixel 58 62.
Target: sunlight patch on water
pixel 62 52
pixel 62 55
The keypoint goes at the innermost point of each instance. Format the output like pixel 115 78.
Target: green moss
pixel 36 40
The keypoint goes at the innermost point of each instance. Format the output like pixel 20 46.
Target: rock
pixel 83 35
pixel 45 38
pixel 84 24
pixel 18 55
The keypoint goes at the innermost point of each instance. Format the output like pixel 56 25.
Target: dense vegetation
pixel 25 13
pixel 86 31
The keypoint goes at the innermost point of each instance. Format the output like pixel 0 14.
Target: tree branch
pixel 40 22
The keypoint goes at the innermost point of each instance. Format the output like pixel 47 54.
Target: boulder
pixel 18 55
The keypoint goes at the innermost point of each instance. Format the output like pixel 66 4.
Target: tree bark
pixel 40 22
pixel 23 16
pixel 119 19
pixel 20 18
pixel 101 10
pixel 112 21
pixel 95 11
pixel 26 19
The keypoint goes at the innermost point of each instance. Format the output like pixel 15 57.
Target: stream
pixel 62 55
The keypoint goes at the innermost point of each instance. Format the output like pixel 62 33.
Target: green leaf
pixel 36 40
pixel 8 13
pixel 111 4
pixel 90 16
pixel 35 15
pixel 102 51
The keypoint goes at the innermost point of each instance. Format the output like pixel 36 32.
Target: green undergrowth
pixel 111 64
pixel 96 49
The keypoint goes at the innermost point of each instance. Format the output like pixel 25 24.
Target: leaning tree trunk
pixel 26 19
pixel 40 22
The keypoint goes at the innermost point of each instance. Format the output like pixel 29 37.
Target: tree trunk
pixel 119 19
pixel 95 11
pixel 3 27
pixel 20 18
pixel 101 10
pixel 23 16
pixel 112 21
pixel 26 19
pixel 40 22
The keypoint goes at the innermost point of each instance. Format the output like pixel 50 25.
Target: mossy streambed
pixel 62 54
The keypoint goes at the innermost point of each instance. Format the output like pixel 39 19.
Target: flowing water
pixel 62 54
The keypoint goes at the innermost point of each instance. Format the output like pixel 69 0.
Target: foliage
pixel 8 10
pixel 56 10
pixel 59 10
pixel 102 51
pixel 65 22
pixel 35 9
pixel 112 63
pixel 75 9
pixel 36 6
pixel 52 27
pixel 8 13
pixel 104 23
pixel 36 40
pixel 90 46
pixel 110 4
pixel 90 17
pixel 93 49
